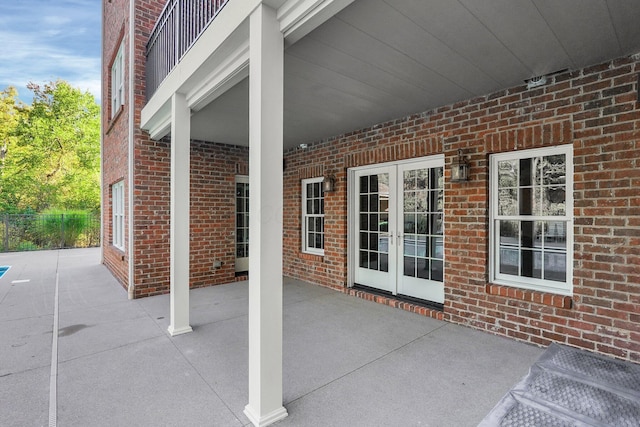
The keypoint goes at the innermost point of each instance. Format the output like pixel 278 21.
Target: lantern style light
pixel 329 184
pixel 460 168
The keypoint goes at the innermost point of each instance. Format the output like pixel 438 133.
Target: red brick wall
pixel 115 133
pixel 213 171
pixel 151 175
pixel 596 110
pixel 213 210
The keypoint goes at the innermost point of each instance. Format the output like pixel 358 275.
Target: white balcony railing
pixel 177 29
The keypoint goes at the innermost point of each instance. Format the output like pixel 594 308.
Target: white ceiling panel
pixel 378 60
pixel 582 27
pixel 523 31
pixel 454 26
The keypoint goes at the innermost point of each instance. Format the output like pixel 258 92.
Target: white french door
pixel 397 227
pixel 242 223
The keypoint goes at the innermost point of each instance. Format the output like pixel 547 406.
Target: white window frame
pixel 117 207
pixel 563 288
pixel 117 81
pixel 305 244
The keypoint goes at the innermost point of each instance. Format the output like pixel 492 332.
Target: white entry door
pixel 398 228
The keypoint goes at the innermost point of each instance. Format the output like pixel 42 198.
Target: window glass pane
pixel 509 261
pixel 409 223
pixel 555 266
pixel 319 224
pixel 527 169
pixel 437 270
pixel 364 259
pixel 373 203
pixel 525 205
pixel 422 223
pixel 422 179
pixel 508 201
pixel 509 233
pixel 437 248
pixel 310 224
pixel 437 224
pixel 383 243
pixel 373 222
pixel 437 178
pixel 410 266
pixel 373 241
pixel 384 262
pixel 409 201
pixel 373 184
pixel 555 235
pixel 422 201
pixel 531 263
pixel 410 244
pixel 364 241
pixel 384 223
pixel 364 184
pixel 373 261
pixel 316 207
pixel 364 203
pixel 508 174
pixel 364 222
pixel 422 245
pixel 554 170
pixel 553 199
pixel 527 234
pixel 410 180
pixel 423 268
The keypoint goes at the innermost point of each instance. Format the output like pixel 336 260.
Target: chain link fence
pixel 31 232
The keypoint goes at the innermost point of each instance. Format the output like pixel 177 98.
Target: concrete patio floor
pixel 347 361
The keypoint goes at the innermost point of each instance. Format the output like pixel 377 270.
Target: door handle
pixel 390 238
pixel 399 238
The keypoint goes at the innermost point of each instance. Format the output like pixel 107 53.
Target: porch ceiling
pixel 382 59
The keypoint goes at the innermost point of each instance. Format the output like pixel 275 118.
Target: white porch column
pixel 266 64
pixel 180 192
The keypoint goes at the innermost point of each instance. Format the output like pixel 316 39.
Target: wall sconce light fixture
pixel 460 168
pixel 329 184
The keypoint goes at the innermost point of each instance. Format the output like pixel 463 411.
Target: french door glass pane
pixel 242 219
pixel 422 223
pixel 374 222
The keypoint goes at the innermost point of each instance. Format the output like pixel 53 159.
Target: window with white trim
pixel 313 216
pixel 117 82
pixel 531 219
pixel 117 207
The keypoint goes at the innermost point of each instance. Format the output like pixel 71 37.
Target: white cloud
pixel 61 41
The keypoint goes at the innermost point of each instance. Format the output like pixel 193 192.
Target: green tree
pixel 53 160
pixel 11 112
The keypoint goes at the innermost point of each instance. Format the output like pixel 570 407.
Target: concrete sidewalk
pixel 347 362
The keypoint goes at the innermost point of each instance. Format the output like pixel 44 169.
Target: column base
pixel 179 331
pixel 266 420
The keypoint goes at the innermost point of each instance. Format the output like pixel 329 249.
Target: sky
pixel 47 40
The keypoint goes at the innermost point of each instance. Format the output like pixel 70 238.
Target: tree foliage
pixel 52 155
